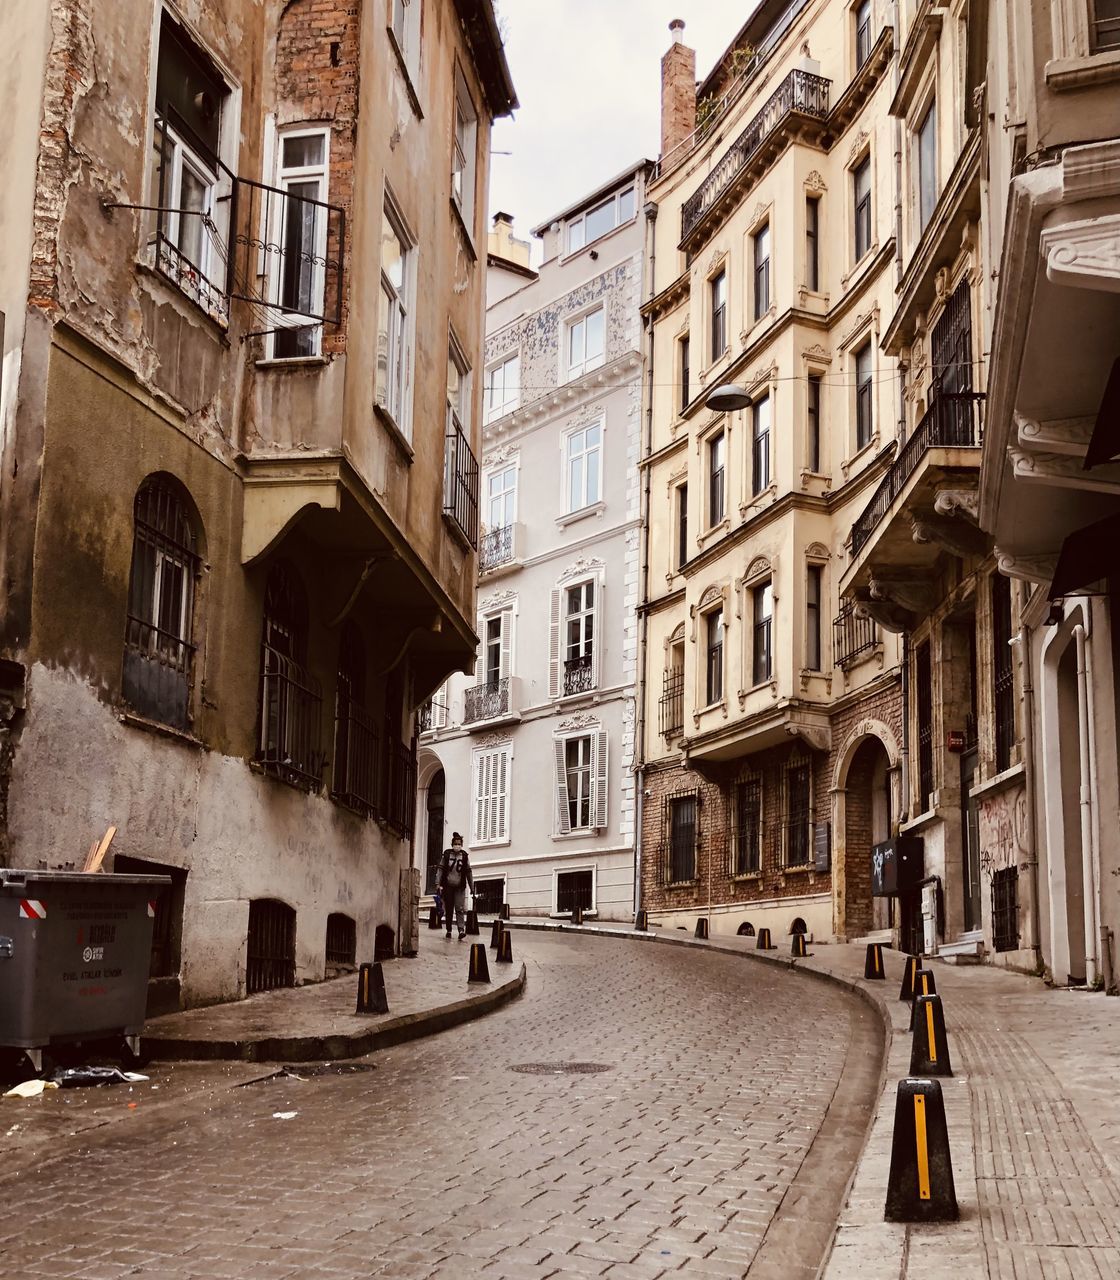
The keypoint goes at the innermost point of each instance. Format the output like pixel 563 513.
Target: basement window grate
pixel 1005 909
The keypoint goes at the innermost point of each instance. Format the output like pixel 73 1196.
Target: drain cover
pixel 560 1068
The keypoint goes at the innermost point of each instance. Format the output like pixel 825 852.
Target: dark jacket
pixel 444 865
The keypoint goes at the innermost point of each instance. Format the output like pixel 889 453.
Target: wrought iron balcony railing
pixel 579 675
pixel 799 93
pixel 460 481
pixel 852 634
pixel 495 548
pixel 671 705
pixel 951 421
pixel 432 715
pixel 487 701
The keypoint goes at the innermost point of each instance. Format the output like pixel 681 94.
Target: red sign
pixel 954 740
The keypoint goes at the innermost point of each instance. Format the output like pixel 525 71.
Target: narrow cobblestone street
pixel 674 1155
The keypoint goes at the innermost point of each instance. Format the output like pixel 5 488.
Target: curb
pixel 390 1031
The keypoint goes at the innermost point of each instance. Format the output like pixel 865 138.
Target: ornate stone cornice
pixel 1084 254
pixel 958 502
pixel 1058 435
pixel 1062 472
pixel 1027 568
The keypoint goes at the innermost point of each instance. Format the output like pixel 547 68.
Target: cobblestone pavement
pixel 683 1157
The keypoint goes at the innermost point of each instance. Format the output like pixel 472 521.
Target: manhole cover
pixel 560 1068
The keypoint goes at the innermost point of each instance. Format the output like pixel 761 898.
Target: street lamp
pixel 727 397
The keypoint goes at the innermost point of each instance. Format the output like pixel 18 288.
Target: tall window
pixel 585 342
pixel 458 388
pixel 762 609
pixel 497 647
pixel 492 780
pixel 717 290
pixel 1105 25
pixel 813 410
pixel 923 673
pixel 813 590
pixel 747 829
pixel 394 331
pixel 682 525
pixel 812 242
pixel 604 217
pixel 680 838
pixel 581 782
pixel 291 703
pixel 713 682
pixel 762 272
pixel 799 809
pixel 301 232
pixel 158 653
pixel 686 389
pixel 863 32
pixel 925 156
pixel 579 638
pixel 582 449
pixel 717 455
pixel 864 398
pixel 501 498
pixel 463 152
pixel 354 769
pixel 1003 672
pixel 760 445
pixel 405 25
pixel 503 387
pixel 861 199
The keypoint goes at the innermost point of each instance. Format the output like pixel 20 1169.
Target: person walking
pixel 455 876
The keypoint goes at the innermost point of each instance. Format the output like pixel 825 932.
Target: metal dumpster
pixel 75 950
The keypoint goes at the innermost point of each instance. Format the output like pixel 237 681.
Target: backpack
pixel 454 876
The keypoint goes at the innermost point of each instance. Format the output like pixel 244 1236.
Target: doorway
pixel 970 844
pixel 434 844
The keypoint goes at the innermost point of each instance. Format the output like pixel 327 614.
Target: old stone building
pixel 242 289
pixel 772 737
pixel 531 757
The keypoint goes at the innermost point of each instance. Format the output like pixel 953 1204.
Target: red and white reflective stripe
pixel 151 910
pixel 32 909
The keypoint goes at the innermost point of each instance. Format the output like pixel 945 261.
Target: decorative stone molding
pixel 818 551
pixel 586 413
pixel 962 502
pixel 582 720
pixel 817 354
pixel 490 740
pixel 1027 568
pixel 912 594
pixel 1062 472
pixel 1084 254
pixel 890 616
pixel 960 537
pixel 580 567
pixel 496 601
pixel 819 737
pixel 1058 435
pixel 859 143
pixel 814 181
pixel 710 596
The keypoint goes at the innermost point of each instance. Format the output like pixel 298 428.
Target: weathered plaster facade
pixel 122 372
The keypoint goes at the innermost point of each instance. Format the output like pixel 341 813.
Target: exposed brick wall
pixel 317 60
pixel 678 96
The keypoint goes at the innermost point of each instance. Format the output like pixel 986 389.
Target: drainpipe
pixel 650 211
pixel 1022 642
pixel 904 815
pixel 1088 849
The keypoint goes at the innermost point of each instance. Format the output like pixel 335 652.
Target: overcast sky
pixel 588 76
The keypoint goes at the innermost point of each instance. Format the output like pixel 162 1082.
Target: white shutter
pixel 506 656
pixel 476 769
pixel 599 779
pixel 554 645
pixel 597 619
pixel 563 817
pixel 501 795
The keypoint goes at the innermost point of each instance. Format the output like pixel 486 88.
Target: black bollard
pixel 797 947
pixel 929 1050
pixel 924 985
pixel 873 964
pixel 480 969
pixel 702 928
pixel 577 915
pixel 433 918
pixel 472 923
pixel 505 947
pixel 763 941
pixel 913 964
pixel 371 989
pixel 504 913
pixel 641 921
pixel 920 1185
pixel 495 934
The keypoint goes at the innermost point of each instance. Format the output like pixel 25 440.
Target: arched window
pixel 354 771
pixel 291 700
pixel 158 653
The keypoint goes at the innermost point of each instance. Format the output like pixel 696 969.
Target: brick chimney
pixel 678 90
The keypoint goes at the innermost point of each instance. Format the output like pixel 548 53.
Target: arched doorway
pixel 867 822
pixel 434 839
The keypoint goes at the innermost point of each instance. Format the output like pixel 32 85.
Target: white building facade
pixel 531 757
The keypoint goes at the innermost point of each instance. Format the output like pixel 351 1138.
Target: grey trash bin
pixel 75 951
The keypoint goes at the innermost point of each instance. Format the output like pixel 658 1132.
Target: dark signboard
pixel 896 866
pixel 822 846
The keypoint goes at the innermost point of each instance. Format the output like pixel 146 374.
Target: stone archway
pixel 431 789
pixel 863 809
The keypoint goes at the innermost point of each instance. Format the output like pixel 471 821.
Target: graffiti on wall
pixel 1003 829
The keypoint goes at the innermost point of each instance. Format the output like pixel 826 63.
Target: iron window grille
pixel 679 815
pixel 400 788
pixel 861 184
pixel 432 715
pixel 924 682
pixel 579 675
pixel 1005 909
pixel 460 481
pixel 489 895
pixel 853 634
pixel 747 829
pixel 495 548
pixel 158 653
pixel 1003 671
pixel 486 701
pixel 574 889
pixel 671 704
pixel 342 939
pixel 951 345
pixel 799 814
pixel 271 948
pixel 355 766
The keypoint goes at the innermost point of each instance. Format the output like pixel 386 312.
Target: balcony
pixel 801 99
pixel 492 701
pixel 853 636
pixel 432 716
pixel 500 549
pixel 579 675
pixel 460 481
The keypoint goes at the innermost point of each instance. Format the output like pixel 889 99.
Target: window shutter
pixel 599 779
pixel 501 795
pixel 506 657
pixel 476 768
pixel 554 645
pixel 597 635
pixel 563 817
